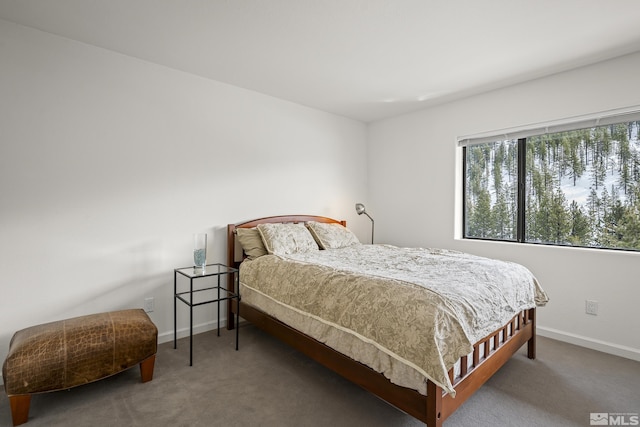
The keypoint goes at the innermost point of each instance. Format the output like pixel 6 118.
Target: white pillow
pixel 332 235
pixel 282 239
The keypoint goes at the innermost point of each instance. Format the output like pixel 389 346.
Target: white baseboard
pixel 603 346
pixel 197 329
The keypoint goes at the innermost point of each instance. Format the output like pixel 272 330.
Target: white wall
pixel 109 164
pixel 414 186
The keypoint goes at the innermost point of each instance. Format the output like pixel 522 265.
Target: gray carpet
pixel 267 383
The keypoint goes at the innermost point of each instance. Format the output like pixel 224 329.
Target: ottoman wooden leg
pixel 146 368
pixel 20 408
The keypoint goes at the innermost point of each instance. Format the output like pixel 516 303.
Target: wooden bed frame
pixel 489 354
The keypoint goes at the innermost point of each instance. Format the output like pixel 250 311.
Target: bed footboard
pixel 489 354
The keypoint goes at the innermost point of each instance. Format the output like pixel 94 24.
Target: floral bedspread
pixel 422 307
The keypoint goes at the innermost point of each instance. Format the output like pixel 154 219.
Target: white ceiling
pixel 364 59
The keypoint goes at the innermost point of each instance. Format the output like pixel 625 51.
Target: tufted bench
pixel 64 354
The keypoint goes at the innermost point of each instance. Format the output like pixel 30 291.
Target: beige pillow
pixel 251 242
pixel 332 235
pixel 282 239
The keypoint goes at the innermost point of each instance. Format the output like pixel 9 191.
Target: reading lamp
pixel 361 210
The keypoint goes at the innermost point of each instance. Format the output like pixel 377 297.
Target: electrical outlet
pixel 148 304
pixel 591 307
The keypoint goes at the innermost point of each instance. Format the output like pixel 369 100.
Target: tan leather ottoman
pixel 67 353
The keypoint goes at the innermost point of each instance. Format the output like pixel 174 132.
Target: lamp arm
pixel 372 225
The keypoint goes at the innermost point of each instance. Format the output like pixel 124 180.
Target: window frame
pixel 521 213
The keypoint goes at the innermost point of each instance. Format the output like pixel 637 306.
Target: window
pixel 574 187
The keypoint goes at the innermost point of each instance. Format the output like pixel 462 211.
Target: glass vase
pixel 199 250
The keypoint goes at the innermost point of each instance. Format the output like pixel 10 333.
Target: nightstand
pixel 208 294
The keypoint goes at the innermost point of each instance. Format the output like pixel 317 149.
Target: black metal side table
pixel 204 296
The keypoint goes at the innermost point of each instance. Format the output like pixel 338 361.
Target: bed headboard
pixel 234 261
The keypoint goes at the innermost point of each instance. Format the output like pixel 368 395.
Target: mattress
pixel 408 313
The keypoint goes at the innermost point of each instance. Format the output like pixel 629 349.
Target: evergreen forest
pixel 582 188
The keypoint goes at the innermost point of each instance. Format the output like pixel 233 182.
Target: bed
pixel 427 375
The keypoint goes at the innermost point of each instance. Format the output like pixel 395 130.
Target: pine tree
pixel 481 218
pixel 580 234
pixel 559 219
